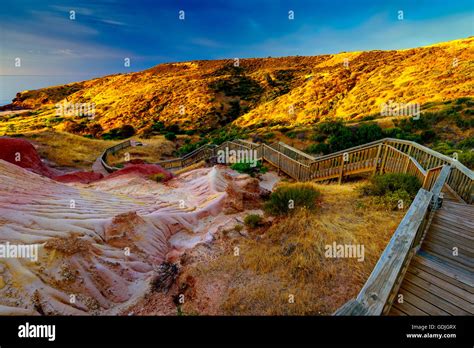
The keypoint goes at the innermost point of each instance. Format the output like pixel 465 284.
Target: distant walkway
pixel 98 167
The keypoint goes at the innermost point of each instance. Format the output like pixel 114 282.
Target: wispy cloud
pixel 205 42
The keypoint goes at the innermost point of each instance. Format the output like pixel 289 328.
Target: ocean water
pixel 10 85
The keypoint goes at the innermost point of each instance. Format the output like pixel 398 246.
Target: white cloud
pixel 204 42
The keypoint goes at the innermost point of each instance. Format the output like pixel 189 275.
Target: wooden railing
pixel 460 179
pixel 202 153
pixel 383 156
pixel 379 291
pixel 111 151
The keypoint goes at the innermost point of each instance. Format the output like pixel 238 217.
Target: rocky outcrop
pixel 100 244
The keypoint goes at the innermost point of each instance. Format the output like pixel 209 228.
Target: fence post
pixel 342 169
pixel 377 159
pixel 278 162
pixel 406 164
pixel 382 166
pixel 426 179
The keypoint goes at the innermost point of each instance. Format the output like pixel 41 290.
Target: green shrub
pixel 467 143
pixel 291 134
pixel 158 126
pixel 428 136
pixel 466 158
pixel 189 147
pixel 387 183
pixel 368 132
pixel 392 200
pixel 289 197
pixel 158 177
pixel 318 148
pixel 318 137
pixel 118 133
pixel 462 100
pixel 253 221
pixel 170 136
pixel 249 168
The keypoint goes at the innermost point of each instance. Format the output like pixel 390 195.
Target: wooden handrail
pixel 378 293
pixel 296 151
pixel 112 150
pixel 332 166
pixel 375 294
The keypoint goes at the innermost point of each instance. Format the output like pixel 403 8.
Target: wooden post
pixel 278 162
pixel 406 164
pixel 377 159
pixel 342 169
pixel 382 166
pixel 425 181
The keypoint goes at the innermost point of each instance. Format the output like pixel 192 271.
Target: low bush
pixel 158 177
pixel 118 133
pixel 170 136
pixel 399 199
pixel 290 197
pixel 386 183
pixel 318 148
pixel 390 189
pixel 249 168
pixel 253 221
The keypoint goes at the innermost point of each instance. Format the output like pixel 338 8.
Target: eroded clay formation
pixel 100 244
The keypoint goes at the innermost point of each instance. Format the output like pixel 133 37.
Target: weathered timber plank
pixel 444 272
pixel 394 311
pixel 439 294
pixel 418 302
pixel 408 308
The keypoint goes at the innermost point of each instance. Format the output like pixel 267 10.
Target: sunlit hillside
pixel 206 95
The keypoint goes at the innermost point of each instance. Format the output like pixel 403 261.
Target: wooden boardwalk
pixel 438 282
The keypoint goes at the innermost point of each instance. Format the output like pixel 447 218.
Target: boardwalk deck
pixel 440 281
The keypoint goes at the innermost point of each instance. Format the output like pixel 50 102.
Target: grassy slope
pixel 260 91
pixel 69 150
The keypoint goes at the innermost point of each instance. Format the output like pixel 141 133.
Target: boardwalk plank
pixel 435 300
pixel 443 272
pixel 418 302
pixel 436 289
pixel 408 308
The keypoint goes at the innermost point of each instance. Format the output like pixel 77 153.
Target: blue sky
pixel 150 32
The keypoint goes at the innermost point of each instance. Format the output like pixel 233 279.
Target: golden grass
pixel 317 87
pixel 68 150
pixel 154 150
pixel 289 259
